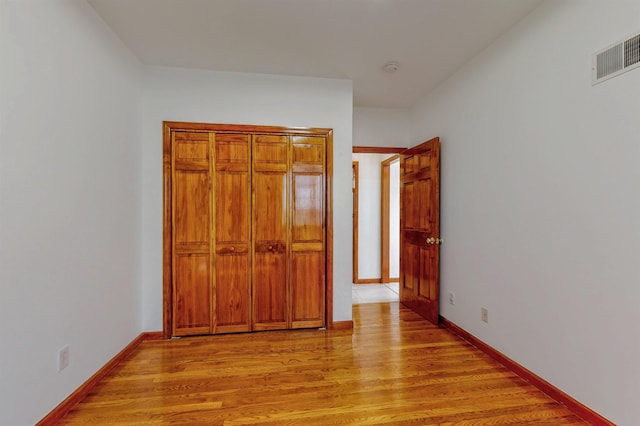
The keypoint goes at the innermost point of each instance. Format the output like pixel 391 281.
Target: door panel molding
pixel 355 167
pixel 385 218
pixel 420 228
pixel 376 150
pixel 194 157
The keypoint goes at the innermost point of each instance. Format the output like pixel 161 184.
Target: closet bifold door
pixel 270 231
pixel 191 224
pixel 232 218
pixel 307 260
pixel 245 228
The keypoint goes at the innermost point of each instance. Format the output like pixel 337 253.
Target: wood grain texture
pixel 307 236
pixel 355 170
pixel 307 288
pixel 398 369
pixel 385 208
pixel 328 243
pixel 256 201
pixel 79 394
pixel 368 281
pixel 270 232
pixel 232 230
pixel 191 227
pixel 245 128
pixel 376 150
pixel 167 232
pixel 580 409
pixel 192 293
pixel 420 222
pixel 341 325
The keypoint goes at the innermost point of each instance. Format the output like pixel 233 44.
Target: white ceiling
pixel 348 39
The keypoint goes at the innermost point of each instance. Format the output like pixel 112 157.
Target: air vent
pixel 616 59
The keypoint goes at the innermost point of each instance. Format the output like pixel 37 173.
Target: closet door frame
pixel 171 126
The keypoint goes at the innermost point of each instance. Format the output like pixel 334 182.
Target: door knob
pixel 270 247
pixel 432 240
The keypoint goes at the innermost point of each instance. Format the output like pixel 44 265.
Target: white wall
pixel 394 220
pixel 369 214
pixel 216 97
pixel 369 179
pixel 540 201
pixel 69 210
pixel 382 127
pixel 386 127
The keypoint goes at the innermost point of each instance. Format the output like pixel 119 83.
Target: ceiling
pixel 346 39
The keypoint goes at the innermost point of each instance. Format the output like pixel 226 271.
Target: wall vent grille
pixel 616 59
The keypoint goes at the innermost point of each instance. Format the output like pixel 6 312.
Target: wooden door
pixel 191 214
pixel 355 166
pixel 307 276
pixel 232 262
pixel 420 228
pixel 270 232
pixel 247 224
pixel 385 219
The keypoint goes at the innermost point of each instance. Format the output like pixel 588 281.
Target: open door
pixel 420 228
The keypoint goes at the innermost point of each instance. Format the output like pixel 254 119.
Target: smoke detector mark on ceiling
pixel 391 67
pixel 616 59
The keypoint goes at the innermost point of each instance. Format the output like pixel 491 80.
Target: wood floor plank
pixel 394 368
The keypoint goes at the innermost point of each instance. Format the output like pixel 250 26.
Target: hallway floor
pixel 374 293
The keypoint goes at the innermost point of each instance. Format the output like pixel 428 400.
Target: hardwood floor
pixel 395 368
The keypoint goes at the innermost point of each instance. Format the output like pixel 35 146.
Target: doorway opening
pixel 376 227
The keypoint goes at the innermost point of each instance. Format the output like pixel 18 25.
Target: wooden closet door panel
pixel 307 288
pixel 232 278
pixel 270 282
pixel 191 208
pixel 270 212
pixel 307 232
pixel 232 207
pixel 270 290
pixel 232 292
pixel 307 208
pixel 245 231
pixel 192 294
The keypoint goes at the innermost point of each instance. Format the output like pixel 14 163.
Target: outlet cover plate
pixel 63 358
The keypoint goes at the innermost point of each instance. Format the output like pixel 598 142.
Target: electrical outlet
pixel 484 314
pixel 63 358
pixel 452 298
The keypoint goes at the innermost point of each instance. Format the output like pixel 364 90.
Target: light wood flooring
pixel 395 368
